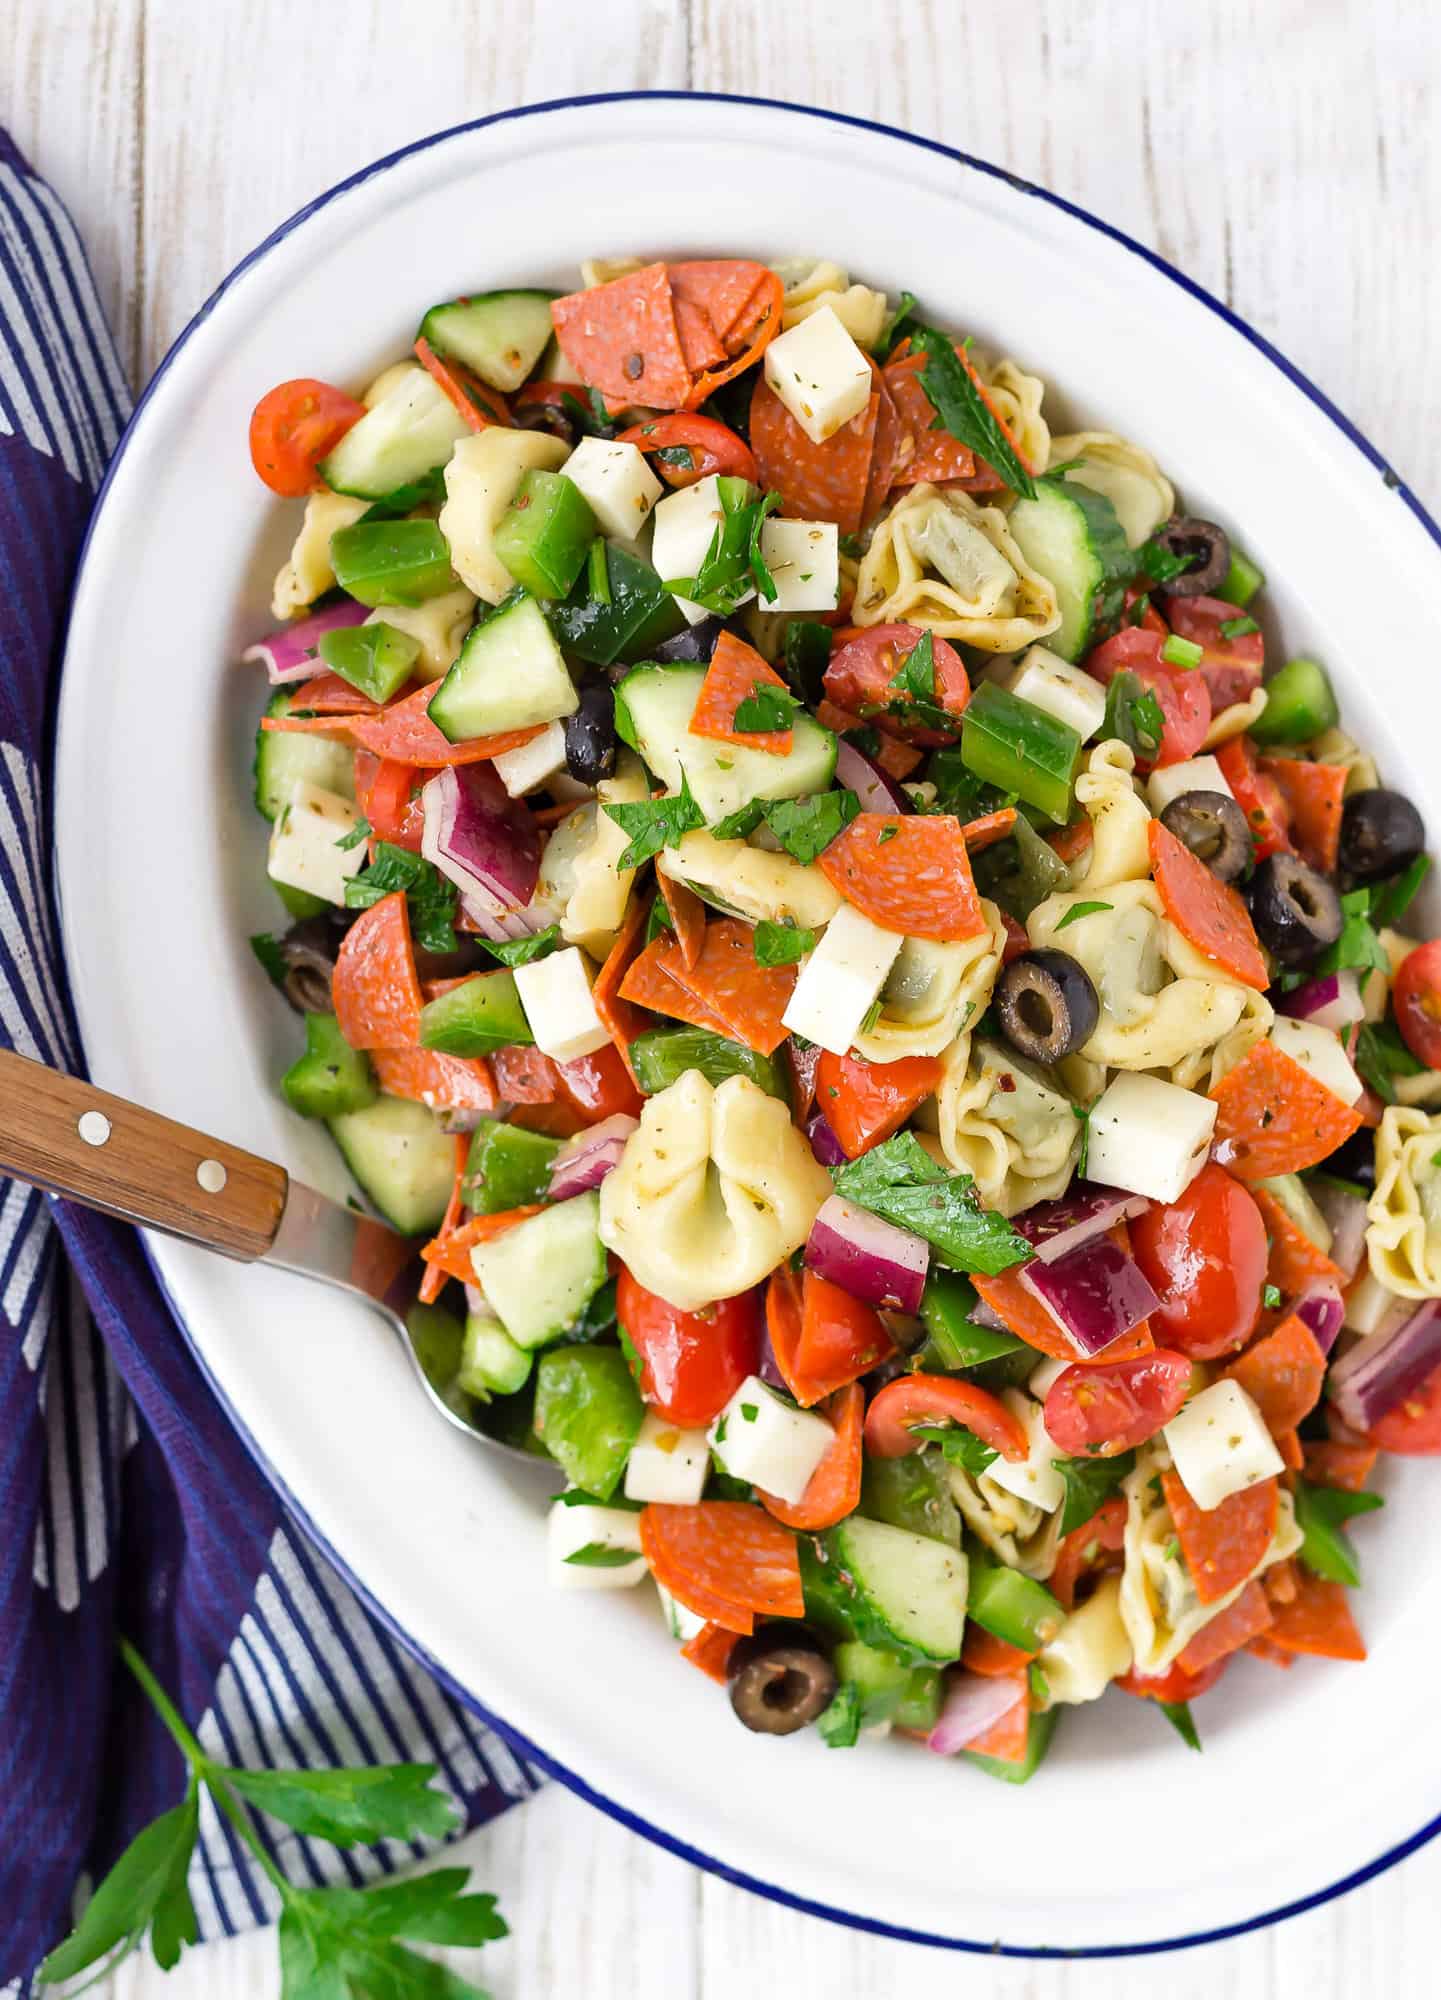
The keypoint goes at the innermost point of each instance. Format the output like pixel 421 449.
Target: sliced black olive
pixel 590 742
pixel 1381 833
pixel 1047 1004
pixel 552 417
pixel 1214 827
pixel 780 1678
pixel 1209 549
pixel 1296 911
pixel 308 950
pixel 696 642
pixel 1355 1160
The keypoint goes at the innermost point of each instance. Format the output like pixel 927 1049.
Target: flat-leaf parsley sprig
pixel 335 1944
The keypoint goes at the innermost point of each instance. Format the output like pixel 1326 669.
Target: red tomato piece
pixel 711 447
pixel 1295 1261
pixel 1318 1621
pixel 907 873
pixel 840 1338
pixel 1176 1684
pixel 736 670
pixel 1205 1257
pixel 1222 1545
pixel 1101 1412
pixel 939 1399
pixel 1413 1428
pixel 474 401
pixel 1017 942
pixel 1231 668
pixel 1184 698
pixel 389 797
pixel 692 1363
pixel 860 676
pixel 1097 1545
pixel 295 425
pixel 1257 794
pixel 1313 795
pixel 1007 1736
pixel 524 1076
pixel 374 989
pixel 622 339
pixel 985 1654
pixel 1150 619
pixel 1416 996
pixel 599 1086
pixel 710 1650
pixel 834 1488
pixel 1274 1117
pixel 1282 1374
pixel 1208 913
pixel 816 482
pixel 866 1102
pixel 726 1551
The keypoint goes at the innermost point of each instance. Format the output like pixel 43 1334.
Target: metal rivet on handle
pixel 211 1176
pixel 93 1127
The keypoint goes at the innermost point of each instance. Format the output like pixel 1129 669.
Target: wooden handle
pixel 71 1139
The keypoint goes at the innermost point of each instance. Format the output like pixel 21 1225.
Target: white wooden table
pixel 1287 153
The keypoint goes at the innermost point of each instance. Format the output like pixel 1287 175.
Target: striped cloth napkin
pixel 126 1501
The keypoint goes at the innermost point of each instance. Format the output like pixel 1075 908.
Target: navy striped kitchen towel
pixel 126 1501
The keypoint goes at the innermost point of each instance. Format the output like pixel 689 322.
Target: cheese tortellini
pixel 582 886
pixel 1120 819
pixel 812 282
pixel 1090 1650
pixel 1124 474
pixel 1018 1533
pixel 481 478
pixel 750 882
pixel 309 572
pixel 939 560
pixel 438 626
pixel 714 1189
pixel 1001 1122
pixel 1158 1601
pixel 1017 397
pixel 1403 1235
pixel 933 993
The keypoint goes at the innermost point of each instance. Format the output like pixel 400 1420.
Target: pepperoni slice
pixel 698 340
pixel 1318 1621
pixel 892 448
pixel 480 406
pixel 445 1083
pixel 1222 1545
pixel 866 1102
pixel 1314 794
pixel 1344 1466
pixel 748 999
pixel 1282 1373
pixel 1274 1117
pixel 1295 1261
pixel 935 455
pixel 621 1020
pixel 909 874
pixel 816 482
pixel 1208 913
pixel 687 916
pixel 1028 1319
pixel 724 1554
pixel 724 291
pixel 656 980
pixel 834 1488
pixel 405 733
pixel 328 694
pixel 1265 1648
pixel 735 670
pixel 450 1251
pixel 1228 1631
pixel 985 1654
pixel 374 989
pixel 710 1650
pixel 622 338
pixel 1085 1549
pixel 986 831
pixel 747 340
pixel 525 1076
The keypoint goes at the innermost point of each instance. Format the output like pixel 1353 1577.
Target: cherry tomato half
pixel 1184 698
pixel 1416 995
pixel 1257 794
pixel 1101 1412
pixel 861 672
pixel 692 1363
pixel 940 1399
pixel 1205 1256
pixel 1174 1685
pixel 689 449
pixel 293 427
pixel 1413 1428
pixel 600 1085
pixel 388 793
pixel 1231 668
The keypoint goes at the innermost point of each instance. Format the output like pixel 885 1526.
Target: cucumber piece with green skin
pixel 588 1414
pixel 906 1592
pixel 545 534
pixel 490 1362
pixel 911 1492
pixel 1013 1607
pixel 299 902
pixel 539 1277
pixel 664 1054
pixel 947 1303
pixel 1039 1731
pixel 284 759
pixel 920 1706
pixel 408 434
pixel 658 702
pixel 331 1077
pixel 402 1159
pixel 1071 536
pixel 890 1689
pixel 1299 704
pixel 636 615
pixel 436 1341
pixel 376 658
pixel 392 562
pixel 476 1018
pixel 501 335
pixel 506 1167
pixel 1021 749
pixel 509 674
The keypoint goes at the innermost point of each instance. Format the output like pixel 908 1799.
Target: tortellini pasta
pixel 1235 720
pixel 1090 1650
pixel 1334 746
pixel 309 571
pixel 812 282
pixel 714 1189
pixel 1021 1535
pixel 438 626
pixel 480 482
pixel 601 270
pixel 1120 819
pixel 933 993
pixel 939 560
pixel 581 885
pixel 1002 1122
pixel 1403 1235
pixel 1127 476
pixel 1018 397
pixel 1158 1601
pixel 749 882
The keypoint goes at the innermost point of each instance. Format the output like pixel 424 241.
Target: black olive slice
pixel 1047 1004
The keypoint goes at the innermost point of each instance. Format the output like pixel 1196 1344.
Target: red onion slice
pixel 974 1703
pixel 1382 1370
pixel 1333 1001
pixel 290 654
pixel 1055 1228
pixel 877 791
pixel 1094 1294
pixel 1322 1308
pixel 584 1161
pixel 824 1143
pixel 486 843
pixel 868 1257
pixel 1345 1214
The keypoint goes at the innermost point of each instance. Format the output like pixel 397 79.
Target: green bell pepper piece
pixel 1018 747
pixel 1243 579
pixel 544 535
pixel 946 1307
pixel 507 1167
pixel 1299 704
pixel 391 562
pixel 587 1414
pixel 377 658
pixel 476 1018
pixel 1013 1607
pixel 331 1077
pixel 637 616
pixel 664 1054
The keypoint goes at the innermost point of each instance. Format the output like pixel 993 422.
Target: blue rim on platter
pixel 571 1779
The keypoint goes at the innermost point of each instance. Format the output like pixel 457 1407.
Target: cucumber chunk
pixel 331 1078
pixel 501 335
pixel 490 1362
pixel 657 705
pixel 1072 537
pixel 634 615
pixel 475 1018
pixel 1021 749
pixel 890 1689
pixel 587 1413
pixel 392 562
pixel 1013 1607
pixel 408 434
pixel 540 1276
pixel 283 760
pixel 436 1340
pixel 1299 704
pixel 911 1493
pixel 545 534
pixel 509 674
pixel 506 1167
pixel 906 1592
pixel 1243 579
pixel 402 1159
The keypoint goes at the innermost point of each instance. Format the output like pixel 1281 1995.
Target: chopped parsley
pixel 1079 910
pixel 766 708
pixel 1089 1483
pixel 1381 1056
pixel 596 1555
pixel 900 1182
pixel 362 830
pixel 1178 1714
pixel 430 899
pixel 652 824
pixel 523 951
pixel 958 1447
pixel 962 410
pixel 781 944
pixel 806 827
pixel 1134 716
pixel 1161 563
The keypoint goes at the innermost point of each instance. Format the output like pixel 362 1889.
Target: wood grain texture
pixel 1285 153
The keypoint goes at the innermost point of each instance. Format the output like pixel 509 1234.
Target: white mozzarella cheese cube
pixel 766 1442
pixel 555 993
pixel 685 527
pixel 820 374
pixel 1318 1050
pixel 617 483
pixel 530 766
pixel 1197 774
pixel 1369 1305
pixel 1035 1478
pixel 1069 693
pixel 680 1621
pixel 580 1542
pixel 1220 1444
pixel 305 850
pixel 841 980
pixel 1042 1380
pixel 666 1463
pixel 1148 1136
pixel 804 559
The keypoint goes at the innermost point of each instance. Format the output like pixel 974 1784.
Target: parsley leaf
pixel 1271 1297
pixel 591 417
pixel 915 687
pixel 900 1182
pixel 655 823
pixel 732 566
pixel 1079 910
pixel 1321 1513
pixel 1358 949
pixel 1381 1056
pixel 1134 716
pixel 382 1802
pixel 430 897
pixel 736 825
pixel 658 921
pixel 781 944
pixel 1089 1483
pixel 893 332
pixel 523 951
pixel 1391 900
pixel 1238 628
pixel 1178 1714
pixel 1082 1113
pixel 266 946
pixel 958 1447
pixel 961 409
pixel 805 658
pixel 596 1555
pixel 765 708
pixel 806 827
pixel 1162 563
pixel 362 830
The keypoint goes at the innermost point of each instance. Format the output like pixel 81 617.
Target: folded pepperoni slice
pixel 816 482
pixel 909 874
pixel 328 694
pixel 620 1018
pixel 746 341
pixel 935 455
pixel 834 1489
pixel 1229 1630
pixel 622 338
pixel 1222 1545
pixel 405 733
pixel 687 916
pixel 735 670
pixel 725 291
pixel 710 1650
pixel 374 988
pixel 699 341
pixel 729 1553
pixel 747 999
pixel 892 449
pixel 655 980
